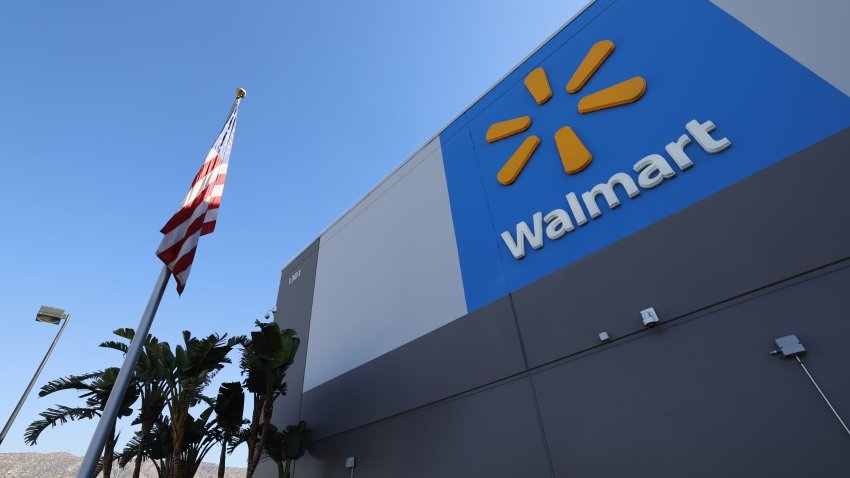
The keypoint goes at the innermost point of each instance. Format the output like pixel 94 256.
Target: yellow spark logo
pixel 574 155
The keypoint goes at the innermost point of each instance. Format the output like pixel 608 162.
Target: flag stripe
pixel 207 228
pixel 173 251
pixel 186 211
pixel 202 181
pixel 179 231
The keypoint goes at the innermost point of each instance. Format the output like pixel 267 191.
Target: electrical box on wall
pixel 789 346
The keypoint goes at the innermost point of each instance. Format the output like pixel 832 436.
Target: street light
pixel 49 315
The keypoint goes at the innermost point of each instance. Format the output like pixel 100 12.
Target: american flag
pixel 197 215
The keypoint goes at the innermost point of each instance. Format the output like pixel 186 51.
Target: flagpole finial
pixel 241 93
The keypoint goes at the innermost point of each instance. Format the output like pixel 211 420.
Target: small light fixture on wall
pixel 649 317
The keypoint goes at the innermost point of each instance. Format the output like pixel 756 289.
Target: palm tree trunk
pixel 222 457
pixel 176 455
pixel 177 459
pixel 137 467
pixel 258 447
pixel 176 466
pixel 250 472
pixel 108 452
pixel 178 426
pixel 252 436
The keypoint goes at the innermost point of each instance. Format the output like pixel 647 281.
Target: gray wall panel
pixel 492 433
pixel 294 307
pixel 702 397
pixel 472 351
pixel 723 246
pixel 389 271
pixel 813 33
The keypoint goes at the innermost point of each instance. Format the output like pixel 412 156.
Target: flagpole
pixel 113 404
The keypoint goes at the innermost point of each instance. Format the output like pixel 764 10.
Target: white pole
pixel 823 395
pixel 113 404
pixel 32 382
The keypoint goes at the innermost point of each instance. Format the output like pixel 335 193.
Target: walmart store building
pixel 687 156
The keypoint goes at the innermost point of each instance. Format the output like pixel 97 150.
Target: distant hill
pixel 66 465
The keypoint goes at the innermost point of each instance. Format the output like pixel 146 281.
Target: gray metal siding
pixel 813 33
pixel 475 350
pixel 703 398
pixel 295 305
pixel 492 433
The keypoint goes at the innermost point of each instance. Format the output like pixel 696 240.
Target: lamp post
pixel 49 315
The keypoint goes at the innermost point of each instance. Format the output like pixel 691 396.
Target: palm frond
pixel 229 405
pixel 128 454
pixel 126 333
pixel 71 382
pixel 238 438
pixel 111 344
pixel 57 416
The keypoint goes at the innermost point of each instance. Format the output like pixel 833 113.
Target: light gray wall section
pixel 294 307
pixel 703 398
pixel 388 272
pixel 814 33
pixel 492 433
pixel 475 350
pixel 789 218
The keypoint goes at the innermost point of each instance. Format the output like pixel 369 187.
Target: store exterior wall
pixel 433 345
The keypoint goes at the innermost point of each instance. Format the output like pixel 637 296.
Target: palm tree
pixel 187 372
pixel 287 446
pixel 149 377
pixel 199 436
pixel 95 388
pixel 156 446
pixel 229 406
pixel 265 360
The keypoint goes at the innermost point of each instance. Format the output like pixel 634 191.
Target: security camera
pixel 267 315
pixel 650 318
pixel 274 310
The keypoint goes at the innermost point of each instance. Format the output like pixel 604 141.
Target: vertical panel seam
pixel 308 325
pixel 546 450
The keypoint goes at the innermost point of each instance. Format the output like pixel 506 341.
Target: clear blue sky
pixel 110 108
